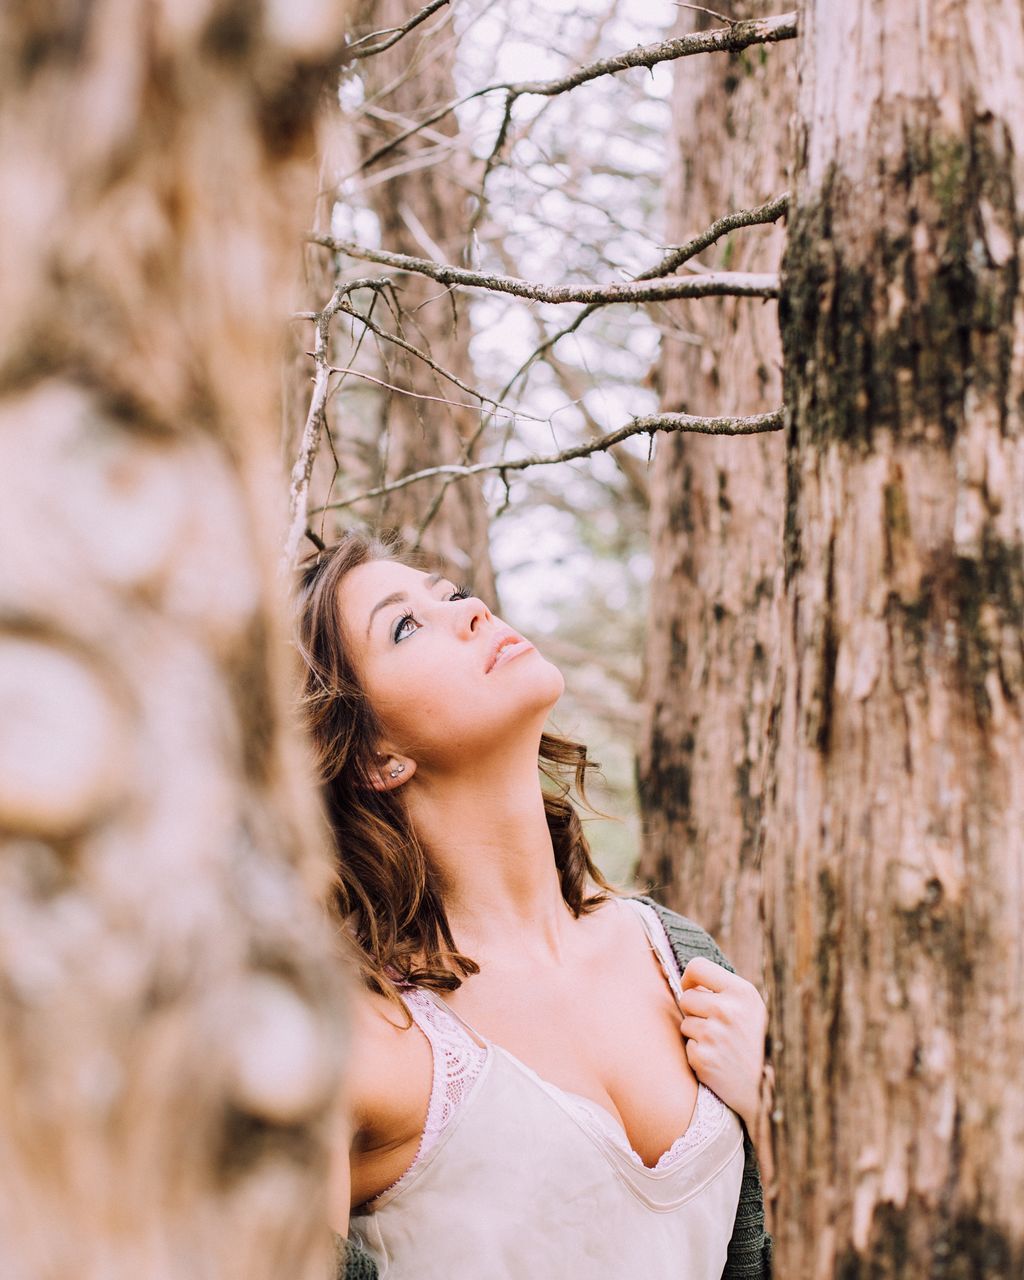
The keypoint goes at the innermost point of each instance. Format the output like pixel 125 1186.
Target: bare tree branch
pixel 495 153
pixel 727 40
pixel 298 495
pixel 730 39
pixel 711 284
pixel 597 32
pixel 673 259
pixel 394 34
pixel 650 426
pixel 378 283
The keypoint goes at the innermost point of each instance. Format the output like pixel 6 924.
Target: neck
pixel 487 837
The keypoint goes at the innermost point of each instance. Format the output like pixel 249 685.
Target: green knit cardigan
pixel 750 1247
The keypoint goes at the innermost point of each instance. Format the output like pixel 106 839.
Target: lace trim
pixel 708 1116
pixel 458 1061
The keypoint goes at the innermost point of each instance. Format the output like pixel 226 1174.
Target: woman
pixel 535 1054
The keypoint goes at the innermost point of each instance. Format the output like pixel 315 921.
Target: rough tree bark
pixel 423 210
pixel 170 1038
pixel 893 863
pixel 716 517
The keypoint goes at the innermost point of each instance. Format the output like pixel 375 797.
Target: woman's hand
pixel 724 1023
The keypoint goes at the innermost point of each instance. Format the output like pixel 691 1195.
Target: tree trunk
pixel 893 862
pixel 170 1039
pixel 423 210
pixel 716 520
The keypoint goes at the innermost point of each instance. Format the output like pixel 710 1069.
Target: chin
pixel 551 681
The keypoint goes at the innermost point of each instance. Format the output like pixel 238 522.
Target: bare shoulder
pixel 614 924
pixel 389 1070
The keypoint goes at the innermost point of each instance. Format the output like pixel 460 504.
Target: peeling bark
pixel 895 887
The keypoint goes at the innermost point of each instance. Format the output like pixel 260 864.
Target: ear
pixel 391 771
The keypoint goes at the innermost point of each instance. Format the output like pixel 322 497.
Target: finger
pixel 705 973
pixel 698 1001
pixel 694 1028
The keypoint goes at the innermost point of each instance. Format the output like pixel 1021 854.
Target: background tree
pixel 716 519
pixel 423 207
pixel 171 1035
pixel 894 830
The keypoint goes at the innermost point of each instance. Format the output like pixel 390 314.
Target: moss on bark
pixel 890 329
pixel 963 1246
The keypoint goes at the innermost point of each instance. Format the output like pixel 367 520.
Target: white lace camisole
pixel 516 1177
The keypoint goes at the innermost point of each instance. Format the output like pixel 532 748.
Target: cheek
pixel 415 709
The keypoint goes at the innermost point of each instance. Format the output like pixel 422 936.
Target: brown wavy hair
pixel 386 892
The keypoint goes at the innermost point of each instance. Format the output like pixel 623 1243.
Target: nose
pixel 471 613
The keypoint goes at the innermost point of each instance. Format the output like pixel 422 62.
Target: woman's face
pixel 447 679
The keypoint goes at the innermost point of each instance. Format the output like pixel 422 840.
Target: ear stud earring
pixel 399 768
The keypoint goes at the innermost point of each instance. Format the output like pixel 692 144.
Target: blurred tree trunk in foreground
pixel 423 210
pixel 716 520
pixel 170 1041
pixel 894 836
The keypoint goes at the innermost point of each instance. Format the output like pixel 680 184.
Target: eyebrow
pixel 397 597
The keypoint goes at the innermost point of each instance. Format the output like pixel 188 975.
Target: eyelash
pixel 460 593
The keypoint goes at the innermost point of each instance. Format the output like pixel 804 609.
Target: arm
pixel 378 1132
pixel 351 1261
pixel 339 1186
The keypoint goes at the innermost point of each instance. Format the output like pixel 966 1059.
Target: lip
pixel 506 646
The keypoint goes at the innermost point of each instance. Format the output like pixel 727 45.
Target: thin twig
pixel 420 395
pixel 427 360
pixel 740 284
pixel 343 290
pixel 674 258
pixel 650 425
pixel 465 453
pixel 393 34
pixel 496 149
pixel 713 13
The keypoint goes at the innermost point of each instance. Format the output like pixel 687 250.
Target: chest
pixel 607 1030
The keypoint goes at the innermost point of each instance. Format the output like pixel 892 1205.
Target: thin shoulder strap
pixel 686 937
pixel 435 999
pixel 659 943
